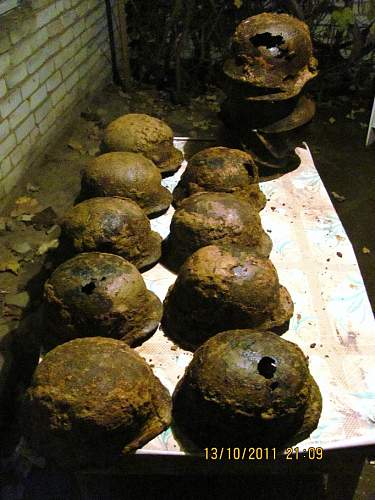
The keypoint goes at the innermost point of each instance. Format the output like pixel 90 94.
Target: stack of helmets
pixel 271 61
pixel 92 398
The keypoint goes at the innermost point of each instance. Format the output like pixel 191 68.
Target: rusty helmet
pixel 214 218
pixel 140 133
pixel 224 287
pixel 272 56
pixel 99 294
pixel 112 225
pixel 221 169
pixel 127 175
pixel 247 386
pixel 91 401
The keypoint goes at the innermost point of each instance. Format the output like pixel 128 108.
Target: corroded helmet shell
pixel 220 288
pixel 214 218
pixel 139 133
pixel 99 294
pixel 91 401
pixel 273 54
pixel 127 175
pixel 246 386
pixel 113 225
pixel 221 169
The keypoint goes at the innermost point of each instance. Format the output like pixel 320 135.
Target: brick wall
pixel 53 54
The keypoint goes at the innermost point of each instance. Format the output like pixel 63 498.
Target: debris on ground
pixel 353 113
pixel 30 188
pixel 202 124
pixel 93 151
pixel 90 116
pixel 10 225
pixel 48 245
pixel 21 300
pixel 54 231
pixel 45 218
pixel 21 248
pixel 12 266
pixel 5 328
pixel 337 196
pixel 93 132
pixel 332 120
pixel 25 218
pixel 366 250
pixel 76 146
pixel 25 205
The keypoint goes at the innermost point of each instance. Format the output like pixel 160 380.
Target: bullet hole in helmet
pixel 267 367
pixel 249 168
pixel 271 42
pixel 239 60
pixel 89 288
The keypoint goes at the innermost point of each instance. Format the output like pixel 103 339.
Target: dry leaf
pixel 76 146
pixel 214 106
pixel 25 205
pixel 12 266
pixel 30 188
pixel 25 217
pixel 337 196
pixel 44 247
pixel 366 250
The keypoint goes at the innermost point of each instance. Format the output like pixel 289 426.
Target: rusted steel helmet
pixel 221 169
pixel 113 225
pixel 99 294
pixel 268 116
pixel 214 218
pixel 91 401
pixel 273 54
pixel 246 386
pixel 139 133
pixel 220 288
pixel 272 141
pixel 127 175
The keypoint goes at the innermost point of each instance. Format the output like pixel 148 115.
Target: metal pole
pixel 112 45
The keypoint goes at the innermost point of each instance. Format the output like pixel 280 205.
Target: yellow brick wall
pixel 53 55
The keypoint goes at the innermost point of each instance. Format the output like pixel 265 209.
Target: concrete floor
pixel 346 167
